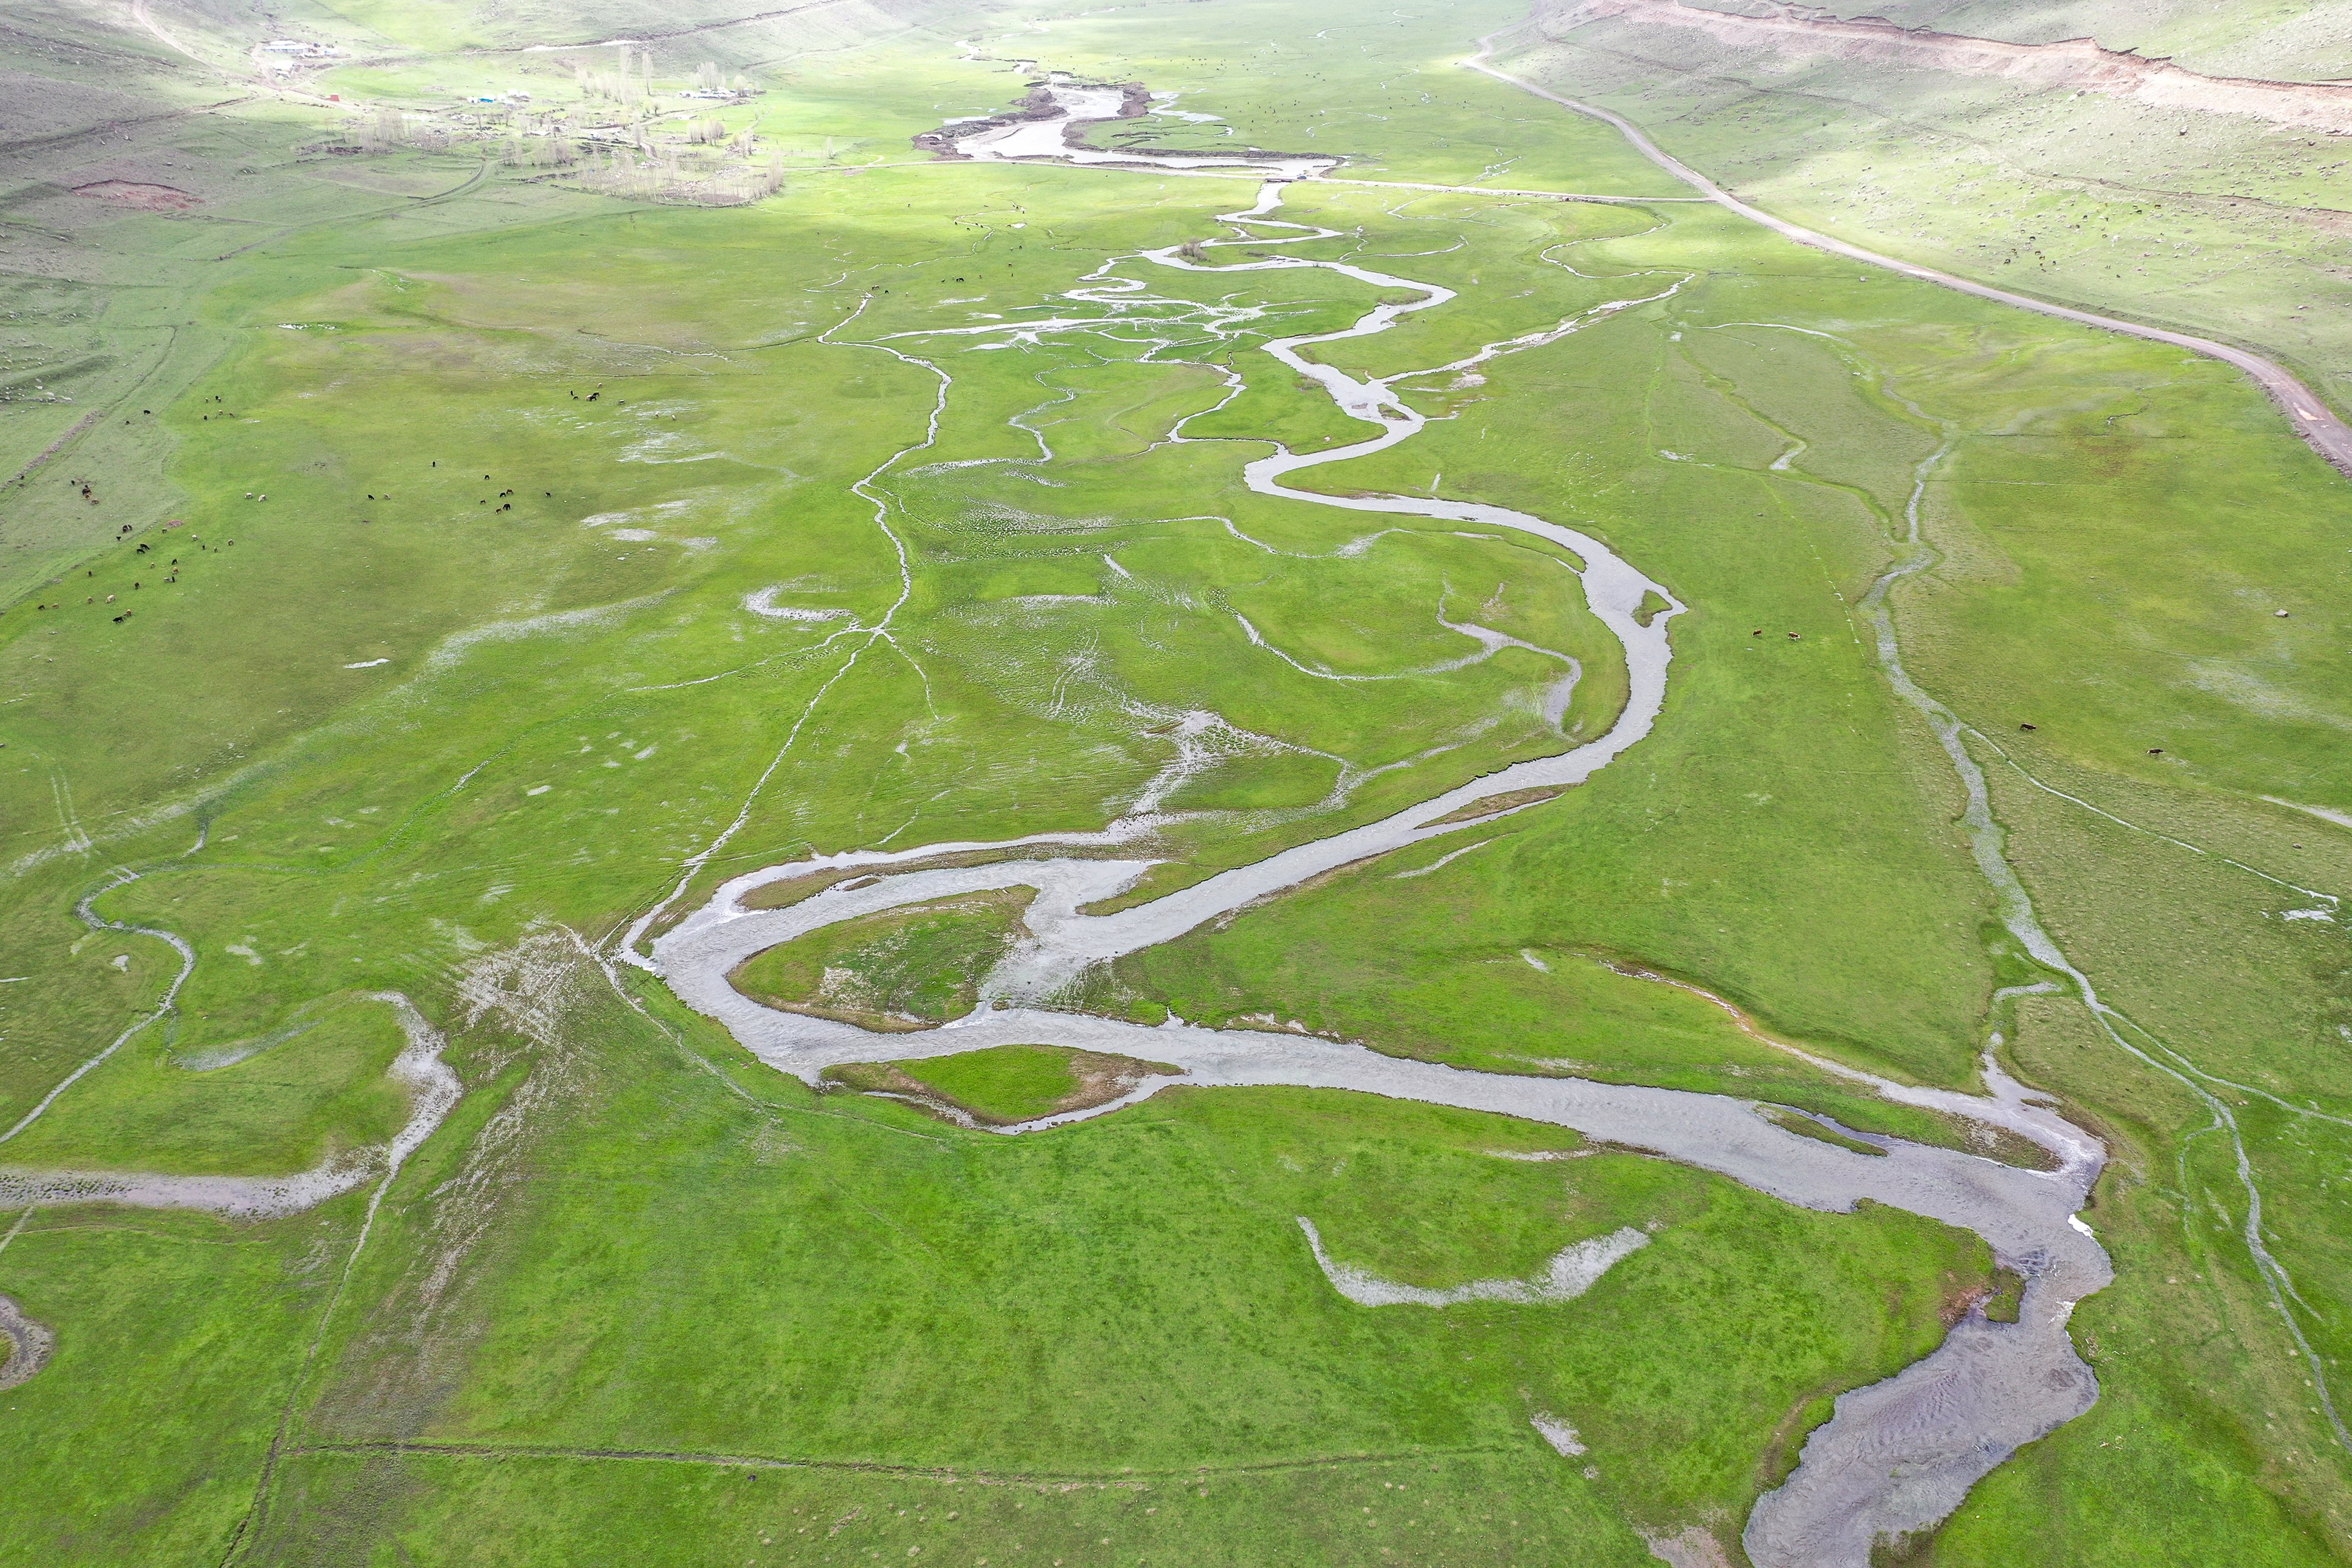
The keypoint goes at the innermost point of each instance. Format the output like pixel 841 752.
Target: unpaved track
pixel 146 18
pixel 2311 418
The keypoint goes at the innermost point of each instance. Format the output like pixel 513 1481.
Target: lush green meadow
pixel 2220 223
pixel 489 539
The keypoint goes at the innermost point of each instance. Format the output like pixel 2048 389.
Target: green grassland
pixel 2217 224
pixel 1010 1082
pixel 490 661
pixel 268 1104
pixel 1060 1314
pixel 1002 1085
pixel 912 967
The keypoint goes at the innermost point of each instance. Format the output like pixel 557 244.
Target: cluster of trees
pixel 659 174
pixel 632 154
pixel 630 81
pixel 388 127
pixel 555 151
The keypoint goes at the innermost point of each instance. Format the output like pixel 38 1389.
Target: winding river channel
pixel 1897 1457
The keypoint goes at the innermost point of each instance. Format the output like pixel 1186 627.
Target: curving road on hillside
pixel 2328 436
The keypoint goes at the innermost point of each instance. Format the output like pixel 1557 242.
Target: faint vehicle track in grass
pixel 975 1476
pixel 141 14
pixel 433 1090
pixel 649 35
pixel 880 632
pixel 408 204
pixel 116 126
pixel 438 1089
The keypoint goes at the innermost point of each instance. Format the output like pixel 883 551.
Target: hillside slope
pixel 2217 206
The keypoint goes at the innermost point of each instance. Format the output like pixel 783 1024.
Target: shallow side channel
pixel 1897 1457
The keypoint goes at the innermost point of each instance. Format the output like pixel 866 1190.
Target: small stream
pixel 1897 1456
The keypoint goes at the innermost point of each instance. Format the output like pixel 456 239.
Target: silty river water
pixel 1895 1457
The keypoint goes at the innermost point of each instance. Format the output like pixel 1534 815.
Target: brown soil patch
pixel 2008 1297
pixel 846 995
pixel 1691 1547
pixel 1167 877
pixel 144 198
pixel 1103 1079
pixel 881 1079
pixel 794 889
pixel 2008 1147
pixel 1977 1137
pixel 1315 884
pixel 1999 1294
pixel 1038 105
pixel 1804 1126
pixel 28 1344
pixel 1779 1460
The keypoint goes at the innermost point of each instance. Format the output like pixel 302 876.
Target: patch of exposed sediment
pixel 2075 64
pixel 29 1344
pixel 233 1196
pixel 1572 1270
pixel 1039 105
pixel 146 198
